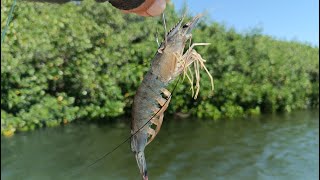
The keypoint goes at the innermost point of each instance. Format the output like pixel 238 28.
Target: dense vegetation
pixel 60 63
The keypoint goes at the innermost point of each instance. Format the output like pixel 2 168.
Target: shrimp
pixel 152 98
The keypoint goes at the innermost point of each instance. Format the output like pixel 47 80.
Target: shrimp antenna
pixel 165 27
pixel 157 37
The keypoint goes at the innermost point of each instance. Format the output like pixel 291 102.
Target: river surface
pixel 276 147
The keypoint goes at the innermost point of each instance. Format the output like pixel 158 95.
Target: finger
pixel 149 8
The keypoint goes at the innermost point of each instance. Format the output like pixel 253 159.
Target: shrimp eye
pixel 185 26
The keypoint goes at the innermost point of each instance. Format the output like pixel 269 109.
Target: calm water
pixel 266 147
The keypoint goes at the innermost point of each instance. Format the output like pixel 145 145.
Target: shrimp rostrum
pixel 152 98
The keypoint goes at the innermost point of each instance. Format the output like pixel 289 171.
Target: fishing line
pixel 105 155
pixel 115 148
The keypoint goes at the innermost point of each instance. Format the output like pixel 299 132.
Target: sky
pixel 283 19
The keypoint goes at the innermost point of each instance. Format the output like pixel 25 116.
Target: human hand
pixel 140 7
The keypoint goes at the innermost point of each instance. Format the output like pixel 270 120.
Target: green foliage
pixel 65 62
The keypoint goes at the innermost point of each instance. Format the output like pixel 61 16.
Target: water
pixel 265 147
